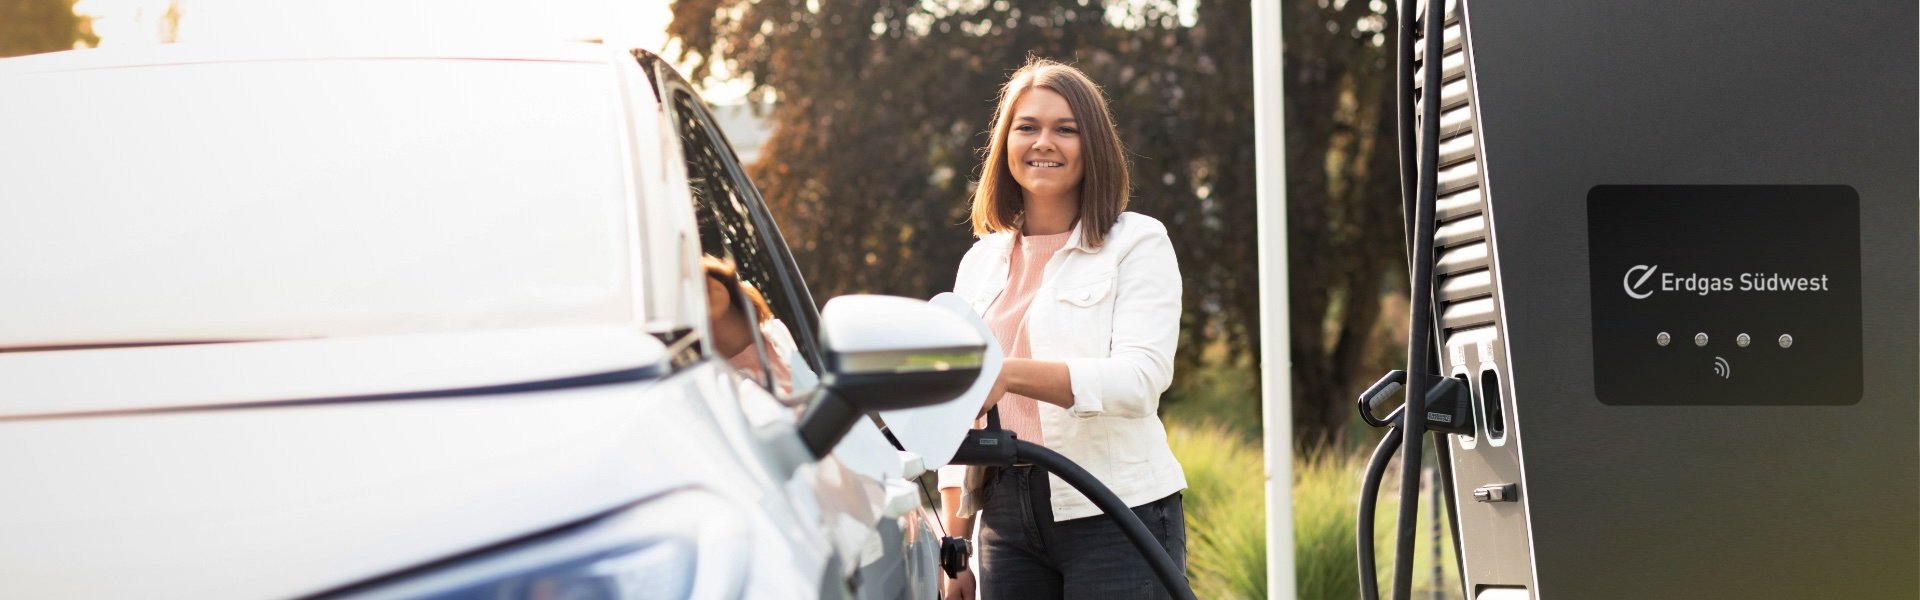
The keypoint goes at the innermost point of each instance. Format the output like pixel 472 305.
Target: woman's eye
pixel 1069 130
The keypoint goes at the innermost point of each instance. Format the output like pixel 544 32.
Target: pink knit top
pixel 1007 317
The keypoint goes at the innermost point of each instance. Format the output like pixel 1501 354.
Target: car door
pixel 736 229
pixel 739 240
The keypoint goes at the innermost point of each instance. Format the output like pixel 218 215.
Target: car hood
pixel 282 501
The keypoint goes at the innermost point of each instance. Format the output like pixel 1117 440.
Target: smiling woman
pixel 1085 301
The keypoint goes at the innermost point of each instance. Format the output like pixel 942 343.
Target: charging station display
pixel 1725 295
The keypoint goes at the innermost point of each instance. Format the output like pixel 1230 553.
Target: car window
pixel 747 272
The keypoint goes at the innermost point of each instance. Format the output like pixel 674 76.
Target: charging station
pixel 1675 261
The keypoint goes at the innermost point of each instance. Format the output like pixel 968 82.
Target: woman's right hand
pixel 993 395
pixel 960 587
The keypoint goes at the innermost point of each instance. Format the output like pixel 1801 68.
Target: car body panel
pixel 271 199
pixel 278 502
pixel 371 448
pixel 174 377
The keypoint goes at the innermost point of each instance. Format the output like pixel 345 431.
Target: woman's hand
pixel 1044 380
pixel 994 395
pixel 960 587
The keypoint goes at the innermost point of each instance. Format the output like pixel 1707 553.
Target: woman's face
pixel 1043 145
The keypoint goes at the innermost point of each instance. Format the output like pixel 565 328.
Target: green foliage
pixel 1215 392
pixel 1326 489
pixel 1226 520
pixel 35 26
pixel 1326 509
pixel 1226 511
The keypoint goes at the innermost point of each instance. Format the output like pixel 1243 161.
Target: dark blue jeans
pixel 1025 554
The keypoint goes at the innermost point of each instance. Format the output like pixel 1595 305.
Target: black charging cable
pixel 1370 498
pixel 1446 407
pixel 956 551
pixel 1448 410
pixel 1413 419
pixel 996 447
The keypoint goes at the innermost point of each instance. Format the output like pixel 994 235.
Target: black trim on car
pixel 641 373
pixel 543 535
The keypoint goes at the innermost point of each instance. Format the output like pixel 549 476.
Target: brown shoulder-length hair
pixel 724 272
pixel 1104 184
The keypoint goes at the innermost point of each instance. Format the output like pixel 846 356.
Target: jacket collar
pixel 1003 240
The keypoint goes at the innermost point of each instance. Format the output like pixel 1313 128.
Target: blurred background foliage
pixel 35 26
pixel 879 109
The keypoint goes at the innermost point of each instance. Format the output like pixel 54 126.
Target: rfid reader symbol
pixel 1722 368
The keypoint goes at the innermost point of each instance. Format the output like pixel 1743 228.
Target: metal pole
pixel 1276 360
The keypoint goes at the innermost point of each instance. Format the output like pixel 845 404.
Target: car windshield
pixel 309 198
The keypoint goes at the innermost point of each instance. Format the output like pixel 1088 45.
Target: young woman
pixel 1085 300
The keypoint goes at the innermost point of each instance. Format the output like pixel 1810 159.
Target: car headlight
pixel 682 545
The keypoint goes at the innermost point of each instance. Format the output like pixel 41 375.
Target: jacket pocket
pixel 1082 318
pixel 1087 293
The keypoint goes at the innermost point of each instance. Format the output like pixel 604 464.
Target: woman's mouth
pixel 1044 164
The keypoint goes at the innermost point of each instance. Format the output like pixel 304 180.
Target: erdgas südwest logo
pixel 1641 281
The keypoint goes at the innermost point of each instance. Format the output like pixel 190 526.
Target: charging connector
pixel 955 552
pixel 1448 406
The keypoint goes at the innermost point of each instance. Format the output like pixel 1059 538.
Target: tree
pixel 1343 207
pixel 881 108
pixel 35 26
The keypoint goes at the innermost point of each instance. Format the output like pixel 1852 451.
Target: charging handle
pixel 954 554
pixel 989 447
pixel 1377 396
pixel 1450 407
pixel 1449 403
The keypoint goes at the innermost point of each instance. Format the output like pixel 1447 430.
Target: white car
pixel 401 323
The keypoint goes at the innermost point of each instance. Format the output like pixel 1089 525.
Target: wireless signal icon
pixel 1722 368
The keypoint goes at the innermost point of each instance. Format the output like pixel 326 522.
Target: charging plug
pixel 954 554
pixel 1449 403
pixel 1450 407
pixel 1377 396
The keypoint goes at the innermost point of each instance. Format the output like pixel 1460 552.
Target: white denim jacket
pixel 1113 315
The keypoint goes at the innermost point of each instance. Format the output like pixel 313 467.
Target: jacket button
pixel 1085 295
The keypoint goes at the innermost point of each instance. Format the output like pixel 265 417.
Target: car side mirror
pixel 887 353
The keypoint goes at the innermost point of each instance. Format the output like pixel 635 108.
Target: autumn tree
pixel 881 107
pixel 1343 208
pixel 35 26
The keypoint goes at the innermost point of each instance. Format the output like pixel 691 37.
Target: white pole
pixel 1276 359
